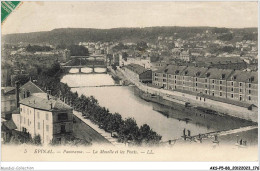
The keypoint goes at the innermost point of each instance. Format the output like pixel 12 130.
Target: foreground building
pixel 44 115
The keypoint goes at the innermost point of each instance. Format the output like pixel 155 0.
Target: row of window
pixel 206 80
pixel 38 113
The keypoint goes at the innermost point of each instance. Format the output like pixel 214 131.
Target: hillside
pixel 76 35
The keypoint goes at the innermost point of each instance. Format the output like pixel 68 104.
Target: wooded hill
pixel 148 34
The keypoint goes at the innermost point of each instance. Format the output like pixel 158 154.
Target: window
pixel 249 91
pixel 39 125
pixel 220 82
pixel 38 115
pixel 62 129
pixel 249 85
pixel 175 81
pixel 232 96
pixel 164 75
pixel 62 116
pixel 240 97
pixel 232 89
pixel 183 83
pixel 164 80
pixel 47 128
pixel 213 81
pixel 220 93
pixel 175 76
pixel 249 97
pixel 220 87
pixel 206 91
pixel 196 79
pixel 206 80
pixel 196 84
pixel 240 84
pixel 232 83
pixel 196 89
pixel 213 86
pixel 240 90
pixel 213 93
pixel 206 85
pixel 47 116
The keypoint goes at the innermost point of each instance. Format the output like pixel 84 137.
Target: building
pixel 232 85
pixel 44 115
pixel 168 77
pixel 214 82
pixel 185 56
pixel 221 62
pixel 138 73
pixel 8 100
pixel 243 86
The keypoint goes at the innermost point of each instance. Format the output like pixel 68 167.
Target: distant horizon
pixel 32 17
pixel 132 28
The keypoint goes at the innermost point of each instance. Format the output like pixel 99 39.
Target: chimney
pixel 48 94
pixel 17 84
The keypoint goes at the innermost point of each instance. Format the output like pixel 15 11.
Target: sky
pixel 45 16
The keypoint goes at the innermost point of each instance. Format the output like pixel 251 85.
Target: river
pixel 122 99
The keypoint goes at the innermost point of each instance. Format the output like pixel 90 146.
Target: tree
pixel 37 140
pixel 22 79
pixel 225 37
pixel 142 46
pixel 76 50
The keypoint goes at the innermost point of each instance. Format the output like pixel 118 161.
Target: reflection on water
pixel 100 70
pixel 87 70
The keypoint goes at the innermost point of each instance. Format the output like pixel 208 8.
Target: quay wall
pixel 225 108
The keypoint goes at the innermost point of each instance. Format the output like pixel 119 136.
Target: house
pixel 138 73
pixel 44 115
pixel 8 100
pixel 185 56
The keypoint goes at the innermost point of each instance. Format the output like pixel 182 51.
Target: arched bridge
pixel 92 61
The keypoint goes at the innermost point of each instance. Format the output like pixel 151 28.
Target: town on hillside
pixel 207 79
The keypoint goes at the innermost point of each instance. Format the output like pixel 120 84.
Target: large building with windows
pixel 230 84
pixel 44 115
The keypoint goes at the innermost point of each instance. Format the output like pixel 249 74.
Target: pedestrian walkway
pixel 102 132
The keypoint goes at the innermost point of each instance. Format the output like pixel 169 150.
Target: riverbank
pixel 220 107
pixel 97 135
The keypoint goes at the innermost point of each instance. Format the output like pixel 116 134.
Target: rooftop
pixel 33 88
pixel 244 76
pixel 136 68
pixel 214 73
pixel 41 101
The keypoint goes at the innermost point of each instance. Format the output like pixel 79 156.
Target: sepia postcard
pixel 173 81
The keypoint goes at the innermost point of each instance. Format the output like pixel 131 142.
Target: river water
pixel 122 99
